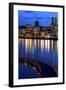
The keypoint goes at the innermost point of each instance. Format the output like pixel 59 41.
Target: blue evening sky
pixel 29 17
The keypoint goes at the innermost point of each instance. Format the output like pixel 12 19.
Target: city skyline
pixel 38 37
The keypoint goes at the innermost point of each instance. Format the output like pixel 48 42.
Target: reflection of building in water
pixel 51 44
pixel 38 44
pixel 55 45
pixel 28 44
pixel 42 44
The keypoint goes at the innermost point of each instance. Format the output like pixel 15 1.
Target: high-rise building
pixel 54 21
pixel 54 26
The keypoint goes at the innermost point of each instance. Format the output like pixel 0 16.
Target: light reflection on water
pixel 43 50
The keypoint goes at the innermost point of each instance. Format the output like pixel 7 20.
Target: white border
pixel 58 79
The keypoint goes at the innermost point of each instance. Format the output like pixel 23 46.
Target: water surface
pixel 42 53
